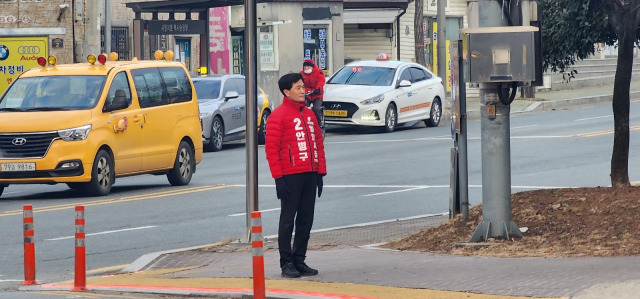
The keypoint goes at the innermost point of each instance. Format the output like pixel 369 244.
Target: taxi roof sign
pixel 383 56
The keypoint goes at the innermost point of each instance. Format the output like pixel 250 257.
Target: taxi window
pixel 229 85
pixel 148 84
pixel 177 84
pixel 119 90
pixel 405 75
pixel 239 86
pixel 418 74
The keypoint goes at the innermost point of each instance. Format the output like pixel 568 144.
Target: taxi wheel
pixel 183 167
pixel 217 135
pixel 262 134
pixel 390 118
pixel 435 114
pixel 1 189
pixel 102 175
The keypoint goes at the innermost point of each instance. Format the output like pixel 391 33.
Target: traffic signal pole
pixel 495 141
pixel 251 75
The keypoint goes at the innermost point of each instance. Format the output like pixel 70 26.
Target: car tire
pixel 102 175
pixel 217 135
pixel 1 189
pixel 183 167
pixel 435 115
pixel 75 186
pixel 390 118
pixel 262 133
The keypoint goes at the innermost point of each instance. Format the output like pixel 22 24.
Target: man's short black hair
pixel 287 81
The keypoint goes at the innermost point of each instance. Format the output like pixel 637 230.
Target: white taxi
pixel 383 93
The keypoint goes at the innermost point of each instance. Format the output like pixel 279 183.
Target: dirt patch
pixel 598 221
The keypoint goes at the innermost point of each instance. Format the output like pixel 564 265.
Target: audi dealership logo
pixel 28 50
pixel 4 52
pixel 19 141
pixel 335 106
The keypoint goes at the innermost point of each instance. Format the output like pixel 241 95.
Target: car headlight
pixel 75 134
pixel 375 100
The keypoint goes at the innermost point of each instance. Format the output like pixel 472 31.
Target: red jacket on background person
pixel 294 143
pixel 314 80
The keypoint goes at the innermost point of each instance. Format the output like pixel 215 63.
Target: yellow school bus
pixel 85 124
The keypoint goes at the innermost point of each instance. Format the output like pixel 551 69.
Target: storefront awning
pixel 370 16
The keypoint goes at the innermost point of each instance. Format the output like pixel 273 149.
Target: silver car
pixel 222 110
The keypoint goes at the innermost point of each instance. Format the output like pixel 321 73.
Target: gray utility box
pixel 499 54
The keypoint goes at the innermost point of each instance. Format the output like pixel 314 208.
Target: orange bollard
pixel 29 247
pixel 80 281
pixel 259 291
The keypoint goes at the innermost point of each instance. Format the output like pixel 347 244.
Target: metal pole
pixel 495 144
pixel 462 139
pixel 107 26
pixel 441 18
pixel 251 75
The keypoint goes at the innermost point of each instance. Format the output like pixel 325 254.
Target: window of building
pixel 119 41
pixel 316 47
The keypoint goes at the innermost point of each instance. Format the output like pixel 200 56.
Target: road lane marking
pixel 390 140
pixel 523 127
pixel 120 199
pixel 105 232
pixel 600 133
pixel 263 211
pixel 8 280
pixel 396 191
pixel 592 118
pixel 320 230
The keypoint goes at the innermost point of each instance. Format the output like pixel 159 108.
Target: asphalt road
pixel 372 177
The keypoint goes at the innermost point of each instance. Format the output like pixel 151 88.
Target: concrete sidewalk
pixel 352 266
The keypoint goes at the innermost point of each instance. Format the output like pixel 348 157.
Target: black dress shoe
pixel 305 270
pixel 289 271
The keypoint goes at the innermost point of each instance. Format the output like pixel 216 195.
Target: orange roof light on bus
pixel 158 55
pixel 168 55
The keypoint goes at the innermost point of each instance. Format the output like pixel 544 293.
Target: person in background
pixel 295 151
pixel 314 80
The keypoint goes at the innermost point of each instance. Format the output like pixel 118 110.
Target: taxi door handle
pixel 138 118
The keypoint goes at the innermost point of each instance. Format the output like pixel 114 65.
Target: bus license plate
pixel 18 167
pixel 341 113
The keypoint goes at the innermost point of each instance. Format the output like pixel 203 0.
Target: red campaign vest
pixel 294 141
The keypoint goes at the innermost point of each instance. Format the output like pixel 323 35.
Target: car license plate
pixel 341 113
pixel 18 167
